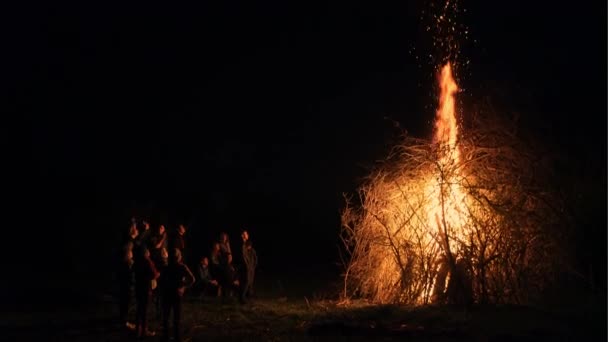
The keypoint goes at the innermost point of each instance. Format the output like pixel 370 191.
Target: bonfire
pixel 459 218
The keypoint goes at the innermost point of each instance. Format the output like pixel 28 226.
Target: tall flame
pixel 446 196
pixel 446 127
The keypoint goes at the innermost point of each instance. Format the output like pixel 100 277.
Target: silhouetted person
pixel 145 277
pixel 124 273
pixel 143 237
pixel 175 279
pixel 178 240
pixel 158 241
pixel 250 262
pixel 161 267
pixel 215 264
pixel 225 244
pixel 131 237
pixel 216 257
pixel 207 283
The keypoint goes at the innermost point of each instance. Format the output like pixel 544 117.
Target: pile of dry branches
pixel 496 242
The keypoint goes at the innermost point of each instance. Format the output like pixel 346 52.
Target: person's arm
pixel 161 241
pixel 155 273
pixel 201 273
pixel 189 277
pixel 246 260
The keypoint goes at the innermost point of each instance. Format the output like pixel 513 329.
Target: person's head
pixel 216 247
pixel 146 225
pixel 181 230
pixel 224 237
pixel 145 253
pixel 161 229
pixel 245 235
pixel 205 261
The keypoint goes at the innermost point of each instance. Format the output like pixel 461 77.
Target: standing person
pixel 225 244
pixel 215 267
pixel 158 241
pixel 178 240
pixel 181 242
pixel 216 256
pixel 174 280
pixel 250 262
pixel 124 274
pixel 143 234
pixel 146 234
pixel 131 238
pixel 161 267
pixel 145 279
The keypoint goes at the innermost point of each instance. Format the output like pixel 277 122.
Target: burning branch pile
pixel 459 218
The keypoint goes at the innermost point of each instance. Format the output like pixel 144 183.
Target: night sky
pixel 223 115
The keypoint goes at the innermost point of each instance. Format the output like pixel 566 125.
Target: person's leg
pixel 144 313
pixel 138 314
pixel 123 304
pixel 242 289
pixel 203 288
pixel 251 282
pixel 157 302
pixel 177 316
pixel 225 291
pixel 166 304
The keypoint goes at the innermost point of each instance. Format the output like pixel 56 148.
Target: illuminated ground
pixel 284 318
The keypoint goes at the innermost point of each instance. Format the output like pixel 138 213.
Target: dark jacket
pixel 175 278
pixel 250 257
pixel 204 274
pixel 145 272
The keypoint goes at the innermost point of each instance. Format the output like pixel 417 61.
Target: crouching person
pixel 174 281
pixel 207 285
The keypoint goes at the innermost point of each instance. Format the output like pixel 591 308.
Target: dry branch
pixel 502 247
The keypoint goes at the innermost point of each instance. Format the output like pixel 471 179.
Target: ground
pixel 284 315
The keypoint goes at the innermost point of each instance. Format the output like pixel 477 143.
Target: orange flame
pixel 444 211
pixel 446 127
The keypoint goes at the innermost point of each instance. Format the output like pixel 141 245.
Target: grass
pixel 284 313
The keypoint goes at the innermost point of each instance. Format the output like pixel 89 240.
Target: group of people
pixel 153 264
pixel 219 277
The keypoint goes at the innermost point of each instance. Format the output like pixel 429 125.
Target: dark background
pixel 223 115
